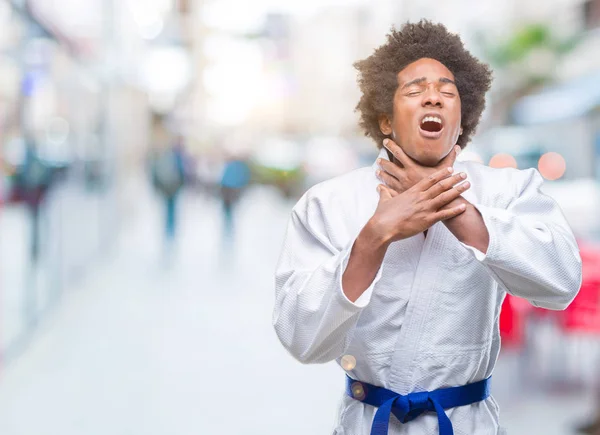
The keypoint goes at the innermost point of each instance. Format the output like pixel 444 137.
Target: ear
pixel 461 130
pixel 385 124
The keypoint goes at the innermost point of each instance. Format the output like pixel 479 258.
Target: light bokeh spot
pixel 502 160
pixel 348 362
pixel 552 166
pixel 358 391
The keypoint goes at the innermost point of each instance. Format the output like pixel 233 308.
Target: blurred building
pixel 78 86
pixel 563 115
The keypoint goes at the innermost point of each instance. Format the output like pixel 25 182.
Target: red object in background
pixel 1 307
pixel 583 315
pixel 510 327
pixel 512 321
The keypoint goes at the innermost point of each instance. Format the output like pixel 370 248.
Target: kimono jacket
pixel 429 319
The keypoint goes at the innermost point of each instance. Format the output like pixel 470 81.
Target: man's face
pixel 426 118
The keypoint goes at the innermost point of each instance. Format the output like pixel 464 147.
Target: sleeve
pixel 532 252
pixel 312 316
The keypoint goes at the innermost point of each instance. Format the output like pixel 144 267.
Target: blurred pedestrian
pixel 235 178
pixel 168 176
pixel 32 181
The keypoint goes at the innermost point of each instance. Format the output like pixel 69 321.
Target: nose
pixel 432 98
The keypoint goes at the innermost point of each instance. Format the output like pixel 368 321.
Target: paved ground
pixel 148 347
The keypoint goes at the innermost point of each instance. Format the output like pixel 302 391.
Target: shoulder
pixel 502 176
pixel 337 194
pixel 343 185
pixel 500 185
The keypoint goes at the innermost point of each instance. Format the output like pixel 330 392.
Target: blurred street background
pixel 150 154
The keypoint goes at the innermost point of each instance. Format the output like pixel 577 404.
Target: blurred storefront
pixel 74 127
pixel 48 140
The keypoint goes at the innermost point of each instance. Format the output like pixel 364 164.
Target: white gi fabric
pixel 429 320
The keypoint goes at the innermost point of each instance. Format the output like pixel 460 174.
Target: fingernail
pixel 458 149
pixel 385 141
pixel 466 185
pixel 379 161
pixel 450 169
pixel 463 175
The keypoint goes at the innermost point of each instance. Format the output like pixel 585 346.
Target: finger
pixel 391 168
pixel 430 181
pixel 453 155
pixel 449 196
pixel 450 159
pixel 391 191
pixel 398 152
pixel 443 215
pixel 384 193
pixel 444 185
pixel 389 180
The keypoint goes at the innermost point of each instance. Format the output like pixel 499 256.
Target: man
pixel 398 271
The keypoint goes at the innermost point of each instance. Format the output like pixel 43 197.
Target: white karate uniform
pixel 430 318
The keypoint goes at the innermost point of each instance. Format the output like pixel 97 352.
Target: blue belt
pixel 409 407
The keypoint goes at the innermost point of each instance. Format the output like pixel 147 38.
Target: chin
pixel 429 160
pixel 432 157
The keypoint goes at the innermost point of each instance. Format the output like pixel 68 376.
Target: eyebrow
pixel 446 80
pixel 422 79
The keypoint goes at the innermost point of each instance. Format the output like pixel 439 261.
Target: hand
pixel 404 176
pixel 402 215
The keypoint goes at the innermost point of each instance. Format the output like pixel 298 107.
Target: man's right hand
pixel 405 172
pixel 400 216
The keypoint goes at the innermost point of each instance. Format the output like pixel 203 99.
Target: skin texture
pixel 424 87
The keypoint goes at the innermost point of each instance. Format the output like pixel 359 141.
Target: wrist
pixel 461 218
pixel 374 236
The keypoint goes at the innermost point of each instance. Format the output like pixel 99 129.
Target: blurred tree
pixel 288 181
pixel 526 40
pixel 523 63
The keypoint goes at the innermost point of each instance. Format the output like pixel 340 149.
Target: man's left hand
pixel 401 178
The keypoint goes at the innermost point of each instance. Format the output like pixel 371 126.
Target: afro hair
pixel 377 78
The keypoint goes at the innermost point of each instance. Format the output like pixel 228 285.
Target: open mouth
pixel 431 126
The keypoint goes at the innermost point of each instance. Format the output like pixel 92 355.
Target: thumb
pixel 384 193
pixel 450 159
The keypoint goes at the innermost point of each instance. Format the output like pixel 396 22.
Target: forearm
pixel 469 227
pixel 364 262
